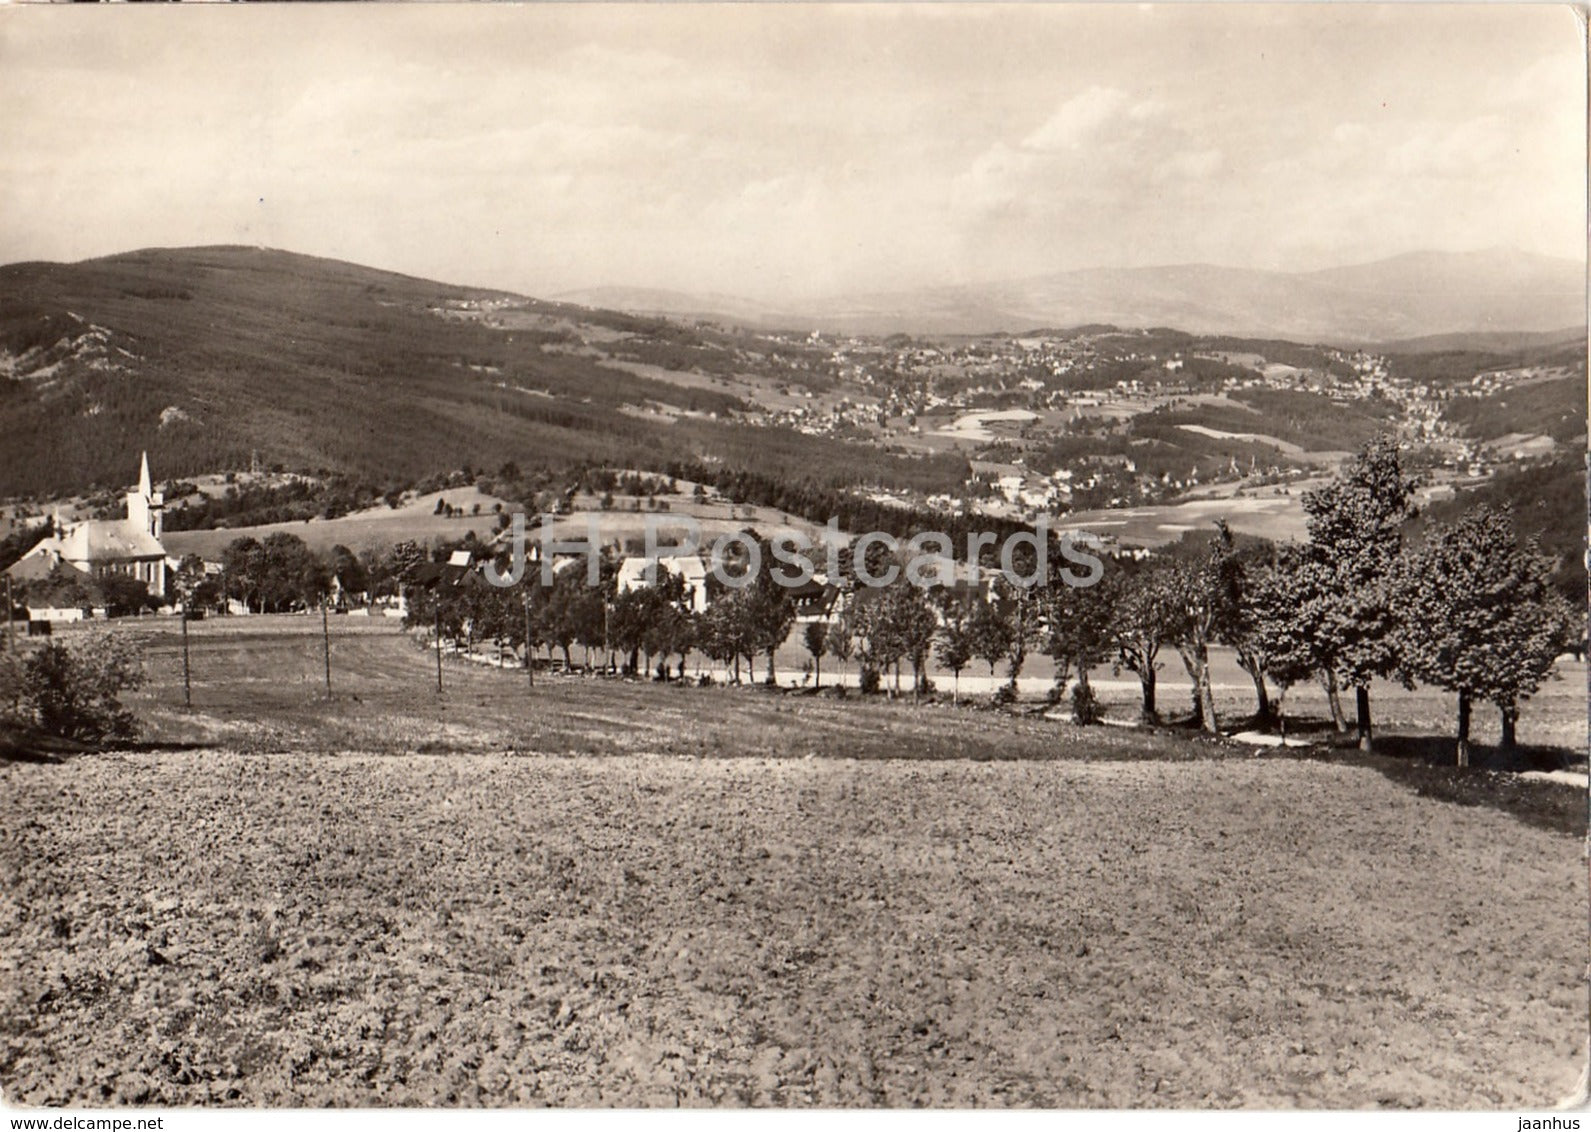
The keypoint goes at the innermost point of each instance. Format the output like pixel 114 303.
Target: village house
pixel 637 573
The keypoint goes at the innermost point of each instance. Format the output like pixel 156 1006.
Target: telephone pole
pixel 530 668
pixel 325 637
pixel 187 682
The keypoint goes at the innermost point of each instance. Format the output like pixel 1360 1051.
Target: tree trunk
pixel 1328 681
pixel 1361 698
pixel 1146 680
pixel 772 679
pixel 1510 715
pixel 1197 662
pixel 568 661
pixel 1207 697
pixel 1266 714
pixel 817 671
pixel 955 687
pixel 1463 729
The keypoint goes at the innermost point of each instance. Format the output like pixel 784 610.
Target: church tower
pixel 146 507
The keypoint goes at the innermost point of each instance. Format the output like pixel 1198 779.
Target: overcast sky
pixel 790 151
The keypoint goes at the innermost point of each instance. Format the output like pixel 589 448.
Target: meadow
pixel 605 892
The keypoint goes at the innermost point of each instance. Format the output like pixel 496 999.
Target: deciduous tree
pixel 1480 617
pixel 1356 533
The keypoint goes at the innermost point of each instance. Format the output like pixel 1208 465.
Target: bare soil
pixel 578 899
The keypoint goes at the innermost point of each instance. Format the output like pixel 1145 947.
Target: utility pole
pixel 530 668
pixel 439 650
pixel 11 644
pixel 325 637
pixel 187 682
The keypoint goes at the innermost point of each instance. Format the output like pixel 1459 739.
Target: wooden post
pixel 187 683
pixel 325 638
pixel 439 650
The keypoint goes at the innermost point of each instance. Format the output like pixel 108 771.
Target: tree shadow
pixel 1442 751
pixel 30 745
pixel 1427 765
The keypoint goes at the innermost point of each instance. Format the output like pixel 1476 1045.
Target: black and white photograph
pixel 793 556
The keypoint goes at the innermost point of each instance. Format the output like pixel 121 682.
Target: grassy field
pixel 374 529
pixel 613 893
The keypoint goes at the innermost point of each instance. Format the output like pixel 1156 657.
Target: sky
pixel 779 152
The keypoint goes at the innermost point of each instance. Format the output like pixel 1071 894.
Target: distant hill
pixel 208 356
pixel 662 302
pixel 1496 342
pixel 1409 296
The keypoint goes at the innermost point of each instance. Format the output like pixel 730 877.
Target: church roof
pixel 109 540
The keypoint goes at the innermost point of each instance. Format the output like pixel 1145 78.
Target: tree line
pixel 1471 610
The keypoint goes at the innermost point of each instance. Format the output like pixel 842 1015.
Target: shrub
pixel 12 664
pixel 72 690
pixel 869 680
pixel 1085 706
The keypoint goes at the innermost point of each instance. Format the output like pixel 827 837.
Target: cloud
pixel 1083 119
pixel 766 149
pixel 1098 146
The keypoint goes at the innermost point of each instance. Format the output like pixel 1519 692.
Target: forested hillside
pixel 208 357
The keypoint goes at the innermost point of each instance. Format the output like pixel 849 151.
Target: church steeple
pixel 145 506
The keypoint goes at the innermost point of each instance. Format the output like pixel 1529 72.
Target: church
pixel 97 547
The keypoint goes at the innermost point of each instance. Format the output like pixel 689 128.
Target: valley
pixel 219 359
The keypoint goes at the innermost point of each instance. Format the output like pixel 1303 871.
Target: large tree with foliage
pixel 1021 609
pixel 1078 632
pixel 838 643
pixel 1204 593
pixel 1142 623
pixel 913 623
pixel 1480 617
pixel 955 647
pixel 1278 630
pixel 988 635
pixel 1356 534
pixel 815 638
pixel 671 626
pixel 870 625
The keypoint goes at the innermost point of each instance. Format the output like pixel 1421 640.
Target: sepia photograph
pixel 793 556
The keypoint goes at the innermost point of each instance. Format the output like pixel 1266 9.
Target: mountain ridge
pixel 1407 296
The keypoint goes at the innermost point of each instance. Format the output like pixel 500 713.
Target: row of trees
pixel 1471 609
